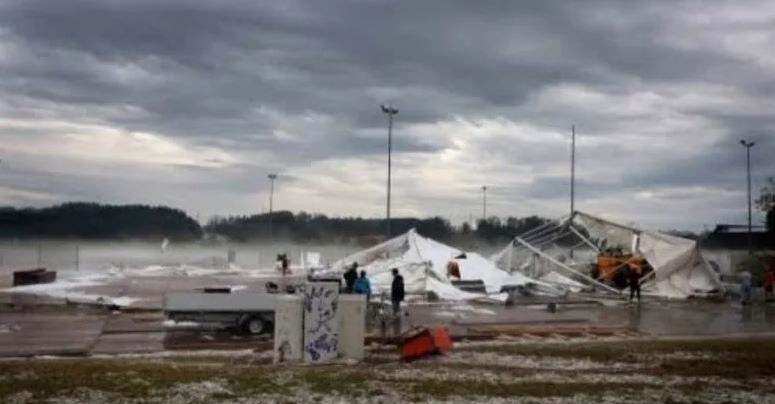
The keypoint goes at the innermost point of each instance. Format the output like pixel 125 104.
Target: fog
pixel 67 256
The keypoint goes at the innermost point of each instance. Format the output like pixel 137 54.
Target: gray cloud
pixel 661 92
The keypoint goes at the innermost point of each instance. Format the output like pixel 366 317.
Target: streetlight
pixel 484 202
pixel 272 177
pixel 390 110
pixel 573 171
pixel 748 146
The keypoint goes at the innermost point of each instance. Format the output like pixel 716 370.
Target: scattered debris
pixel 33 277
pixel 425 341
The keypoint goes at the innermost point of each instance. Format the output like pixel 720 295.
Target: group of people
pixel 768 282
pixel 359 284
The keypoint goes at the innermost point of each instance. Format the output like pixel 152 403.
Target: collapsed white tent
pixel 561 252
pixel 423 264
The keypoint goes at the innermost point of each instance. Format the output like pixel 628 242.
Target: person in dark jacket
pixel 349 278
pixel 633 275
pixel 397 291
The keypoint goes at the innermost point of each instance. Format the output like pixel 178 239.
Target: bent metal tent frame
pixel 561 251
pixel 423 264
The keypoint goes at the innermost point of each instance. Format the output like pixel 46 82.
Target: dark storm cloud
pixel 288 85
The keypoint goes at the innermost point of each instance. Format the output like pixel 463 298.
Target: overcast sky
pixel 191 103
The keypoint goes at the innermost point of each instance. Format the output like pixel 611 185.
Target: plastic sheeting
pixel 423 264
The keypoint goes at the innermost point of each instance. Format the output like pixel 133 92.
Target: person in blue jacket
pixel 362 286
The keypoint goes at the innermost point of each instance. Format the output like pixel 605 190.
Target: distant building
pixel 726 247
pixel 735 237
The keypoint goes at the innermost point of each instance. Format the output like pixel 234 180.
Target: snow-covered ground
pixel 614 372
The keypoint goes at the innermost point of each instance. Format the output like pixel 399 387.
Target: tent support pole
pixel 566 267
pixel 584 239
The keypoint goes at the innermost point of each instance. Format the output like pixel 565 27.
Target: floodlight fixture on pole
pixel 390 111
pixel 271 177
pixel 748 145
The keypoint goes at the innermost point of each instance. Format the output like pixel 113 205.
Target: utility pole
pixel 573 171
pixel 572 177
pixel 390 111
pixel 272 177
pixel 484 202
pixel 748 146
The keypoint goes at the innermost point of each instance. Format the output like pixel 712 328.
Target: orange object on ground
pixel 426 341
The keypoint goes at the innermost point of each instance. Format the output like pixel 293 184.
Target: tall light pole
pixel 390 111
pixel 748 146
pixel 271 177
pixel 484 202
pixel 572 171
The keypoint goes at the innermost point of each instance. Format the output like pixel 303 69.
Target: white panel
pixel 321 322
pixel 352 325
pixel 288 328
pixel 226 302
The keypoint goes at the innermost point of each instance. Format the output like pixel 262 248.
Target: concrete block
pixel 288 326
pixel 321 321
pixel 352 326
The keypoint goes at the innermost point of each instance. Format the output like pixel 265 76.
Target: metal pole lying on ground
pixel 566 267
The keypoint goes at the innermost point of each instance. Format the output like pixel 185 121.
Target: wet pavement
pixel 69 330
pixel 36 324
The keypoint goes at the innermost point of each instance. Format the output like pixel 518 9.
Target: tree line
pixel 93 221
pixel 306 227
pixel 96 221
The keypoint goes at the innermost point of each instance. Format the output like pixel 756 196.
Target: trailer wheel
pixel 254 325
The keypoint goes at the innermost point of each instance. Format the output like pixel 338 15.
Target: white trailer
pixel 251 312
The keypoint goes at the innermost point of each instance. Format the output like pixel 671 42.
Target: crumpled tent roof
pixel 423 264
pixel 680 271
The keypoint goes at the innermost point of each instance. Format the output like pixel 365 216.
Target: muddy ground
pixel 678 371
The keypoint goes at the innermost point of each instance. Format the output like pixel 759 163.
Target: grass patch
pixel 733 359
pixel 128 378
pixel 140 378
pixel 629 350
pixel 441 389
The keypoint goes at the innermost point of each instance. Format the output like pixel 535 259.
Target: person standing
pixel 349 277
pixel 362 286
pixel 745 288
pixel 633 275
pixel 397 291
pixel 769 280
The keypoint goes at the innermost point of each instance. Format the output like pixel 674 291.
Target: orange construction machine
pixel 613 266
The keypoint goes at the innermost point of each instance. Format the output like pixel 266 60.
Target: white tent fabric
pixel 423 264
pixel 679 269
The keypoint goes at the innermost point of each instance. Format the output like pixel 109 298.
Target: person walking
pixel 349 278
pixel 362 286
pixel 633 276
pixel 397 291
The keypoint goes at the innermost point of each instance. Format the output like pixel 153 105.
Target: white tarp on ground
pixel 680 271
pixel 423 264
